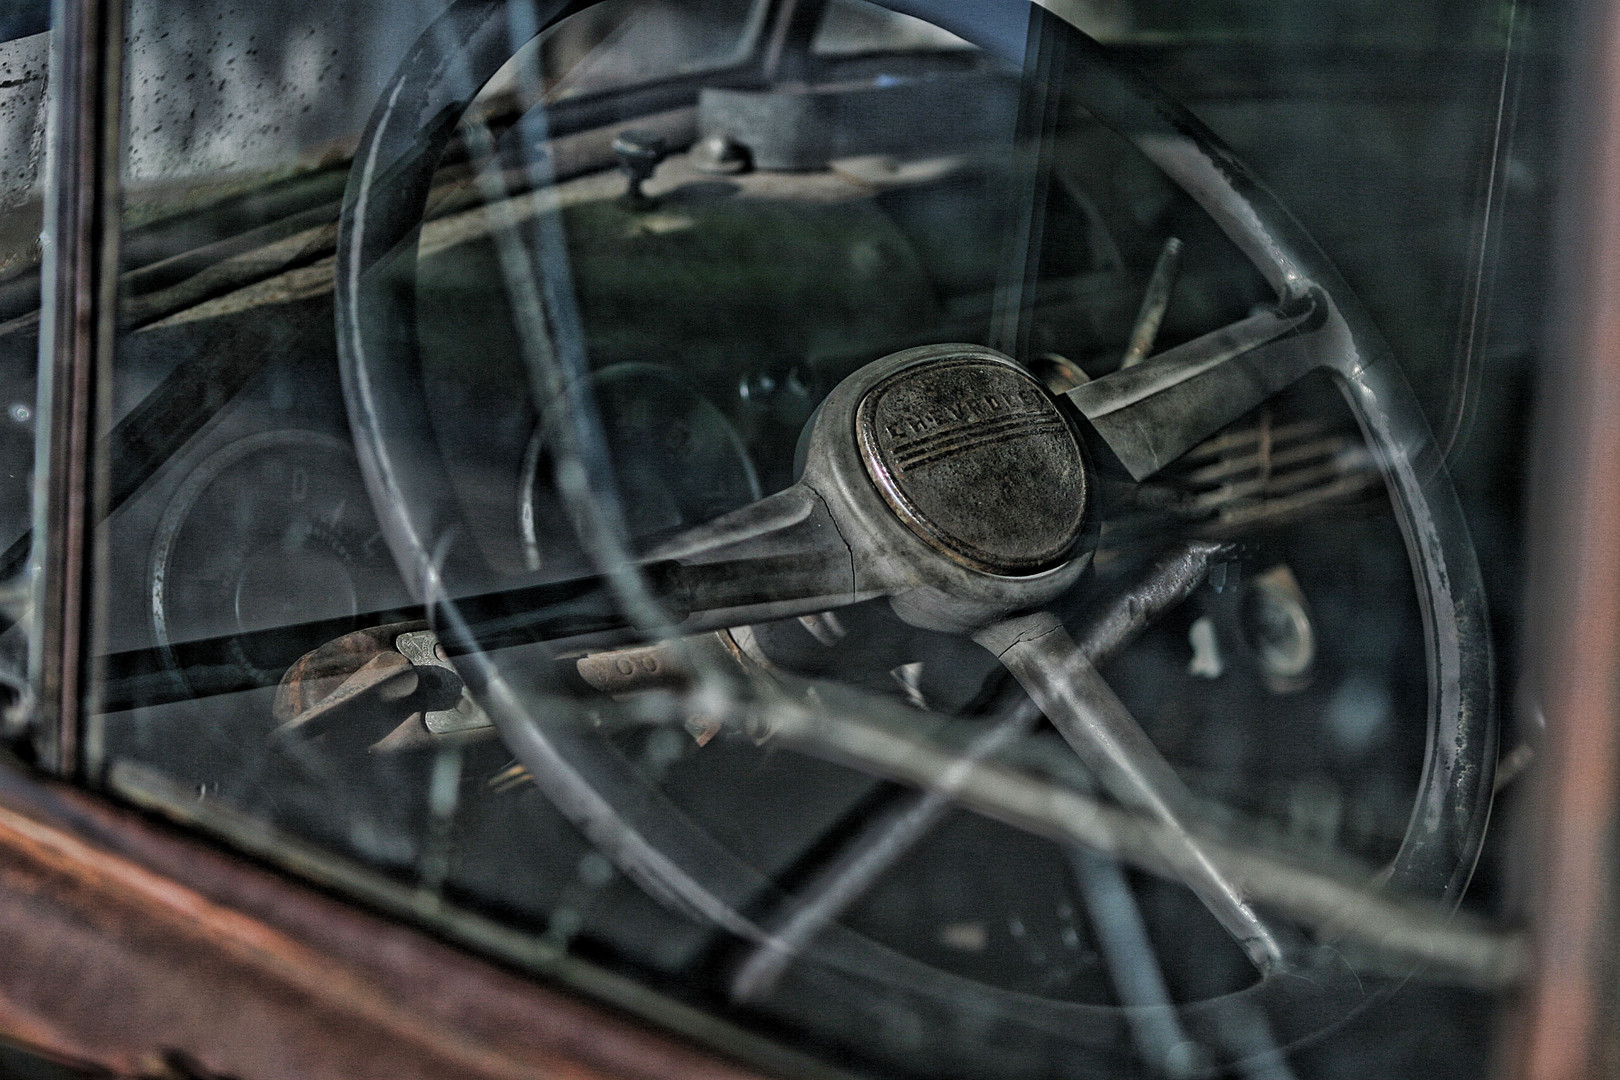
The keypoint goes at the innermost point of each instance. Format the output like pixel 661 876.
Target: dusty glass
pixel 25 62
pixel 884 528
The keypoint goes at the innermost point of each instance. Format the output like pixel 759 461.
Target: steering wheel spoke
pixel 884 840
pixel 1039 653
pixel 1153 412
pixel 778 558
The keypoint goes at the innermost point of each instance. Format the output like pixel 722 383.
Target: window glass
pixel 25 63
pixel 24 59
pixel 625 41
pixel 853 26
pixel 873 528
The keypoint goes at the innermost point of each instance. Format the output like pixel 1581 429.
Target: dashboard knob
pixel 639 153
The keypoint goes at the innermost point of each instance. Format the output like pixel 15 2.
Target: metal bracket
pixel 423 649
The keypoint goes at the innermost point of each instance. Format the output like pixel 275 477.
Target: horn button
pixel 956 483
pixel 974 456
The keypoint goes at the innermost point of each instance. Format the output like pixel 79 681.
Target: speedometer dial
pixel 270 531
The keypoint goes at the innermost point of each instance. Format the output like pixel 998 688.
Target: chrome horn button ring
pixel 957 483
pixel 975 457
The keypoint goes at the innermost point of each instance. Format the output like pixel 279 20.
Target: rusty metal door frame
pixel 1562 1026
pixel 80 280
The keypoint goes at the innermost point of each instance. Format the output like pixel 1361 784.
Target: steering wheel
pixel 950 480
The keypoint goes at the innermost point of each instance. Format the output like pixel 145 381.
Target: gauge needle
pixel 1039 653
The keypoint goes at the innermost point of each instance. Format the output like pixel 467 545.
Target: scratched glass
pixel 873 526
pixel 25 57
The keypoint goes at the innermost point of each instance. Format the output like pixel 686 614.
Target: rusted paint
pixel 124 941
